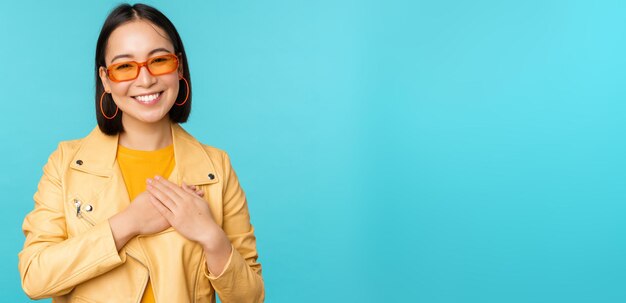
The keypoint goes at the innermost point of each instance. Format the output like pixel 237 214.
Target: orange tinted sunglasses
pixel 129 70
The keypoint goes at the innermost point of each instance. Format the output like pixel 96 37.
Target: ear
pixel 104 79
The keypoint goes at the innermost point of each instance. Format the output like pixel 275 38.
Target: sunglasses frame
pixel 140 64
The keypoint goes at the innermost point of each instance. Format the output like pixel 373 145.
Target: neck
pixel 146 136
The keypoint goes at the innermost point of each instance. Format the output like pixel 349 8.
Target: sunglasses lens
pixel 162 64
pixel 123 71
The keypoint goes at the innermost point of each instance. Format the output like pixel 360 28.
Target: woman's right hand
pixel 145 217
pixel 139 218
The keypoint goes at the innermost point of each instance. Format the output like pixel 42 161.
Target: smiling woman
pixel 142 95
pixel 139 210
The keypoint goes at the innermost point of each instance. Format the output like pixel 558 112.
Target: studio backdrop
pixel 391 151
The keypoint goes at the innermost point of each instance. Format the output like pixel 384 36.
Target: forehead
pixel 136 39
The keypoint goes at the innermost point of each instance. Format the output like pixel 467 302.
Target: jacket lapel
pixel 97 157
pixel 96 154
pixel 193 165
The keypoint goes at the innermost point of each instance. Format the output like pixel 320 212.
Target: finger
pixel 158 183
pixel 192 189
pixel 162 197
pixel 162 209
pixel 188 187
pixel 168 186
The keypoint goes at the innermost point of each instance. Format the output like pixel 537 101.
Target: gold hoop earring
pixel 102 109
pixel 187 96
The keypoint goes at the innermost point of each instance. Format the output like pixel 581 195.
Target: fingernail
pixel 149 181
pixel 158 177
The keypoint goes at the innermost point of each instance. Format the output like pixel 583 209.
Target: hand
pixel 146 218
pixel 187 212
pixel 191 217
pixel 139 218
pixel 198 192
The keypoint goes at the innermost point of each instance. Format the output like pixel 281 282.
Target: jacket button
pixel 88 207
pixel 211 176
pixel 79 162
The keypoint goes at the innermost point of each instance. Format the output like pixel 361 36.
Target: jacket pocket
pixel 79 219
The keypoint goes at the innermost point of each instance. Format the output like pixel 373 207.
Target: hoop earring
pixel 187 96
pixel 102 109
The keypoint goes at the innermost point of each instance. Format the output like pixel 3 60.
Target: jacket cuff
pixel 213 277
pixel 102 257
pixel 110 242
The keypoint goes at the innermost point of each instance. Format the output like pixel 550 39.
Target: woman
pixel 139 210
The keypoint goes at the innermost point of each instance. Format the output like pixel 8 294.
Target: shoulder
pixel 217 155
pixel 67 149
pixel 214 152
pixel 70 146
pixel 59 160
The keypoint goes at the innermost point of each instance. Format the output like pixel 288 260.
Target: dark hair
pixel 120 15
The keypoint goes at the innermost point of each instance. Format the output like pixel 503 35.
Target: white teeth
pixel 147 98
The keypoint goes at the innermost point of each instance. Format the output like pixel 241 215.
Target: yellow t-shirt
pixel 136 167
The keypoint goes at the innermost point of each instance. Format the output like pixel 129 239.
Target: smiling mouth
pixel 149 98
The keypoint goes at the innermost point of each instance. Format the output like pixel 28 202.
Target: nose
pixel 145 78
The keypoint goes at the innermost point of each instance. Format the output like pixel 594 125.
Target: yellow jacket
pixel 69 253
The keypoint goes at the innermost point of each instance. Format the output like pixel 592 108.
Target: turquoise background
pixel 391 151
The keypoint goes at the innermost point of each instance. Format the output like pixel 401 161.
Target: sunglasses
pixel 129 70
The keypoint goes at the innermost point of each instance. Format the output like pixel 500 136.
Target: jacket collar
pixel 98 152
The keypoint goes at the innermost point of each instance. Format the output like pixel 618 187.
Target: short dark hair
pixel 122 14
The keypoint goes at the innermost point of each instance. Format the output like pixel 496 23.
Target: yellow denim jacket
pixel 70 255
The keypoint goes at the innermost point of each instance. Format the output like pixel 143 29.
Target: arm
pixel 229 249
pixel 241 279
pixel 50 264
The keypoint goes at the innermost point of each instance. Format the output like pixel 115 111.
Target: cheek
pixel 173 85
pixel 119 90
pixel 172 82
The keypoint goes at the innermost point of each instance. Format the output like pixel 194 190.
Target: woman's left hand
pixel 187 212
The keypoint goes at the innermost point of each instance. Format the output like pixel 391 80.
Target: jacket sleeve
pixel 50 264
pixel 241 279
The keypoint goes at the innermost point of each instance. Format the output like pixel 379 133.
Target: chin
pixel 148 119
pixel 153 119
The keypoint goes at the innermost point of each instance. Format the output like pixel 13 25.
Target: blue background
pixel 424 151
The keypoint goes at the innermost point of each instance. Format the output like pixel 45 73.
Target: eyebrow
pixel 156 50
